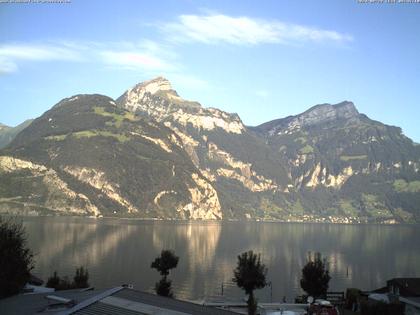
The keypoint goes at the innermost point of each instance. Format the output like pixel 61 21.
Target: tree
pixel 315 276
pixel 81 279
pixel 58 283
pixel 165 262
pixel 16 260
pixel 53 281
pixel 249 275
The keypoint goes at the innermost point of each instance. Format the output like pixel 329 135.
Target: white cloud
pixel 12 54
pixel 34 52
pixel 145 55
pixel 132 60
pixel 216 28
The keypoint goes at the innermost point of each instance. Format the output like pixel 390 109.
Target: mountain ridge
pixel 7 133
pixel 150 153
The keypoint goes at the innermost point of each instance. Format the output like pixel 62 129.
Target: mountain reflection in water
pixel 120 251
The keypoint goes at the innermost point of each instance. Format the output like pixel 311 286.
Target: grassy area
pixel 352 157
pixel 117 118
pixel 347 207
pixel 302 140
pixel 400 185
pixel 306 149
pixel 297 208
pixel 56 138
pixel 374 207
pixel 271 210
pixel 95 133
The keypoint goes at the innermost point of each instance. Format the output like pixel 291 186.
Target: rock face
pixel 317 115
pixel 153 154
pixel 218 144
pixel 157 99
pixel 38 190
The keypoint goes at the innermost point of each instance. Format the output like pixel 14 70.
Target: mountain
pixel 344 164
pixel 153 154
pixel 87 156
pixel 238 164
pixel 7 134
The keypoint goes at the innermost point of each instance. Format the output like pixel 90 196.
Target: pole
pixel 271 291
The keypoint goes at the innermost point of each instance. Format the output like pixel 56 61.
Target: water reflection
pixel 120 251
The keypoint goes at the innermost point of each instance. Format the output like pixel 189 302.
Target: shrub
pixel 16 260
pixel 80 280
pixel 53 281
pixel 315 276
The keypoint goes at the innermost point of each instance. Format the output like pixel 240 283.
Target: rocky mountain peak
pixel 327 112
pixel 157 99
pixel 154 85
pixel 154 94
pixel 347 104
pixel 158 86
pixel 316 115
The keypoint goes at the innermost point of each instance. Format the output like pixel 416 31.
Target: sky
pixel 261 59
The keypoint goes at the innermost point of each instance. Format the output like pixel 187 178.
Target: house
pixel 404 286
pixel 406 290
pixel 127 301
pixel 118 300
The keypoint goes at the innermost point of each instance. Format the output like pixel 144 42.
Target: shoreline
pixel 185 221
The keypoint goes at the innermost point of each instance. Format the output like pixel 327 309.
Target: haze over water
pixel 121 251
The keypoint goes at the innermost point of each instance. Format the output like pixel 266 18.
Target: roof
pixel 414 301
pixel 38 303
pixel 118 300
pixel 132 302
pixel 407 286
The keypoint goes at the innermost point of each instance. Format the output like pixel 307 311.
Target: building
pixel 406 290
pixel 404 286
pixel 118 300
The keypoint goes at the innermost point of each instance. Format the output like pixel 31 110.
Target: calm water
pixel 120 251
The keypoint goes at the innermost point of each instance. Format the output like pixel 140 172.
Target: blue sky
pixel 261 59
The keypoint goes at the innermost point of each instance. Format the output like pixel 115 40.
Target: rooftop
pixel 118 300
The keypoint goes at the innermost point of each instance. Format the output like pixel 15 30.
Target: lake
pixel 121 251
